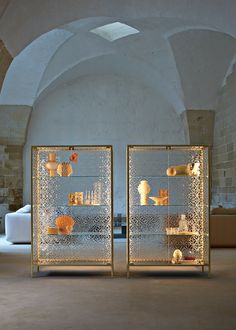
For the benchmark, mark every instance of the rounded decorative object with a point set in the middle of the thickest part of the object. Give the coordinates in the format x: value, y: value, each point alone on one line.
x: 64, y: 169
x: 51, y: 164
x: 194, y: 169
x: 74, y: 157
x: 177, y: 256
x: 144, y: 189
x: 65, y: 224
x: 171, y: 171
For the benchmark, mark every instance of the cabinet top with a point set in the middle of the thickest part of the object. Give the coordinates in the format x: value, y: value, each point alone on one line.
x: 51, y: 148
x: 167, y: 147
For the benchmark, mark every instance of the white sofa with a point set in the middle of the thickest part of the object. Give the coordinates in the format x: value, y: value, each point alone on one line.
x: 18, y: 225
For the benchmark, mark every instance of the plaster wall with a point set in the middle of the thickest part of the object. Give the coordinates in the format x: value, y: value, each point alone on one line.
x: 13, y: 123
x: 224, y: 149
x: 199, y: 126
x: 102, y: 109
x: 6, y: 59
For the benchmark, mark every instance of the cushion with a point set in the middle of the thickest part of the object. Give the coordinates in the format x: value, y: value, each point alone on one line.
x: 222, y: 210
x: 24, y: 209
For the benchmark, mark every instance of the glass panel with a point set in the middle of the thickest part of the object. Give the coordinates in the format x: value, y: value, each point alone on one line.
x: 72, y: 213
x: 168, y: 204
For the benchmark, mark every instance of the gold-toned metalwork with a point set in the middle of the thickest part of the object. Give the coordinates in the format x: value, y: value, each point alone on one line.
x: 89, y: 242
x: 152, y: 230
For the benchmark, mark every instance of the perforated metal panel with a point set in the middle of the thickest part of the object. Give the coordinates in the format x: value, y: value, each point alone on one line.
x: 90, y: 241
x: 153, y: 230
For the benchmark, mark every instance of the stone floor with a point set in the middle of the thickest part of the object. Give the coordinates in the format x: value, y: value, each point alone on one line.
x: 91, y: 299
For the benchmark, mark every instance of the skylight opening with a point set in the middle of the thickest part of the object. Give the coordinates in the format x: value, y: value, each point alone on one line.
x: 114, y: 31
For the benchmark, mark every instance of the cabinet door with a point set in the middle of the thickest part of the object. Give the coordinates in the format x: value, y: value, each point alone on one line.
x: 189, y: 201
x: 147, y: 221
x: 72, y: 206
x: 155, y: 226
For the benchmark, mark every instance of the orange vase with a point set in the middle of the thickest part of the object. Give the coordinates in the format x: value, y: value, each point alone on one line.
x: 65, y: 224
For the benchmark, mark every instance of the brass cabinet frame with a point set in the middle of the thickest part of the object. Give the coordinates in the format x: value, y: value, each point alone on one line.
x: 37, y: 264
x: 130, y: 264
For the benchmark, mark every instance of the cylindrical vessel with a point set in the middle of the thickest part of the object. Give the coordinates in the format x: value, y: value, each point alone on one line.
x: 183, y: 224
x: 51, y: 164
x: 144, y: 189
x: 164, y: 193
x: 71, y: 199
x: 79, y: 198
x: 178, y: 170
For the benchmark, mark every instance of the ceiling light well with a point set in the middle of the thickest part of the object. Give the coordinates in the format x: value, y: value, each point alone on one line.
x: 114, y: 31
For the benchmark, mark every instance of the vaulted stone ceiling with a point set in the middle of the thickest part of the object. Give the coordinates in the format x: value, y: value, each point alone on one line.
x: 184, y: 52
x: 25, y: 20
x: 184, y: 49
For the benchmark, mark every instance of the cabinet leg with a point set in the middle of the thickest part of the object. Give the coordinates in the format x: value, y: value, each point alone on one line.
x: 203, y: 269
x: 209, y: 271
x: 127, y: 271
x: 112, y: 270
x: 33, y: 272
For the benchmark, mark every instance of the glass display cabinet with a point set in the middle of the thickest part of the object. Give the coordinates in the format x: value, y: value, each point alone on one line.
x: 72, y: 206
x: 167, y: 206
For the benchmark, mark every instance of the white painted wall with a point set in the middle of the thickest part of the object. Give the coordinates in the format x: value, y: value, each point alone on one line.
x: 224, y: 147
x: 26, y: 70
x: 202, y: 59
x: 104, y: 109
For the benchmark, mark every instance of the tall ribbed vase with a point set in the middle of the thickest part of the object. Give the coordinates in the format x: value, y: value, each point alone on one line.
x: 144, y: 189
x: 51, y: 164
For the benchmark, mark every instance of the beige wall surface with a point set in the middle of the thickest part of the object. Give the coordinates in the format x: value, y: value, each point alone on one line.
x: 13, y: 124
x: 224, y: 150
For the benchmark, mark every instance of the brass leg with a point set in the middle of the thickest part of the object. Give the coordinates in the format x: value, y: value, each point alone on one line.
x: 33, y: 273
x: 32, y: 270
x: 112, y: 269
x: 127, y: 271
x: 209, y: 270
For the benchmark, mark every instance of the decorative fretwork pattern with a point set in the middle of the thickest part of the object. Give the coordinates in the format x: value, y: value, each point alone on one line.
x: 149, y: 241
x: 91, y: 238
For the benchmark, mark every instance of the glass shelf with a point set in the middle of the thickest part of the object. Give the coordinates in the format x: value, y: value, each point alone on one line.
x: 165, y: 234
x: 165, y: 176
x: 71, y: 176
x: 80, y: 234
x: 170, y: 205
x: 196, y: 262
x: 184, y: 234
x: 147, y: 233
x: 66, y: 205
x: 87, y: 205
